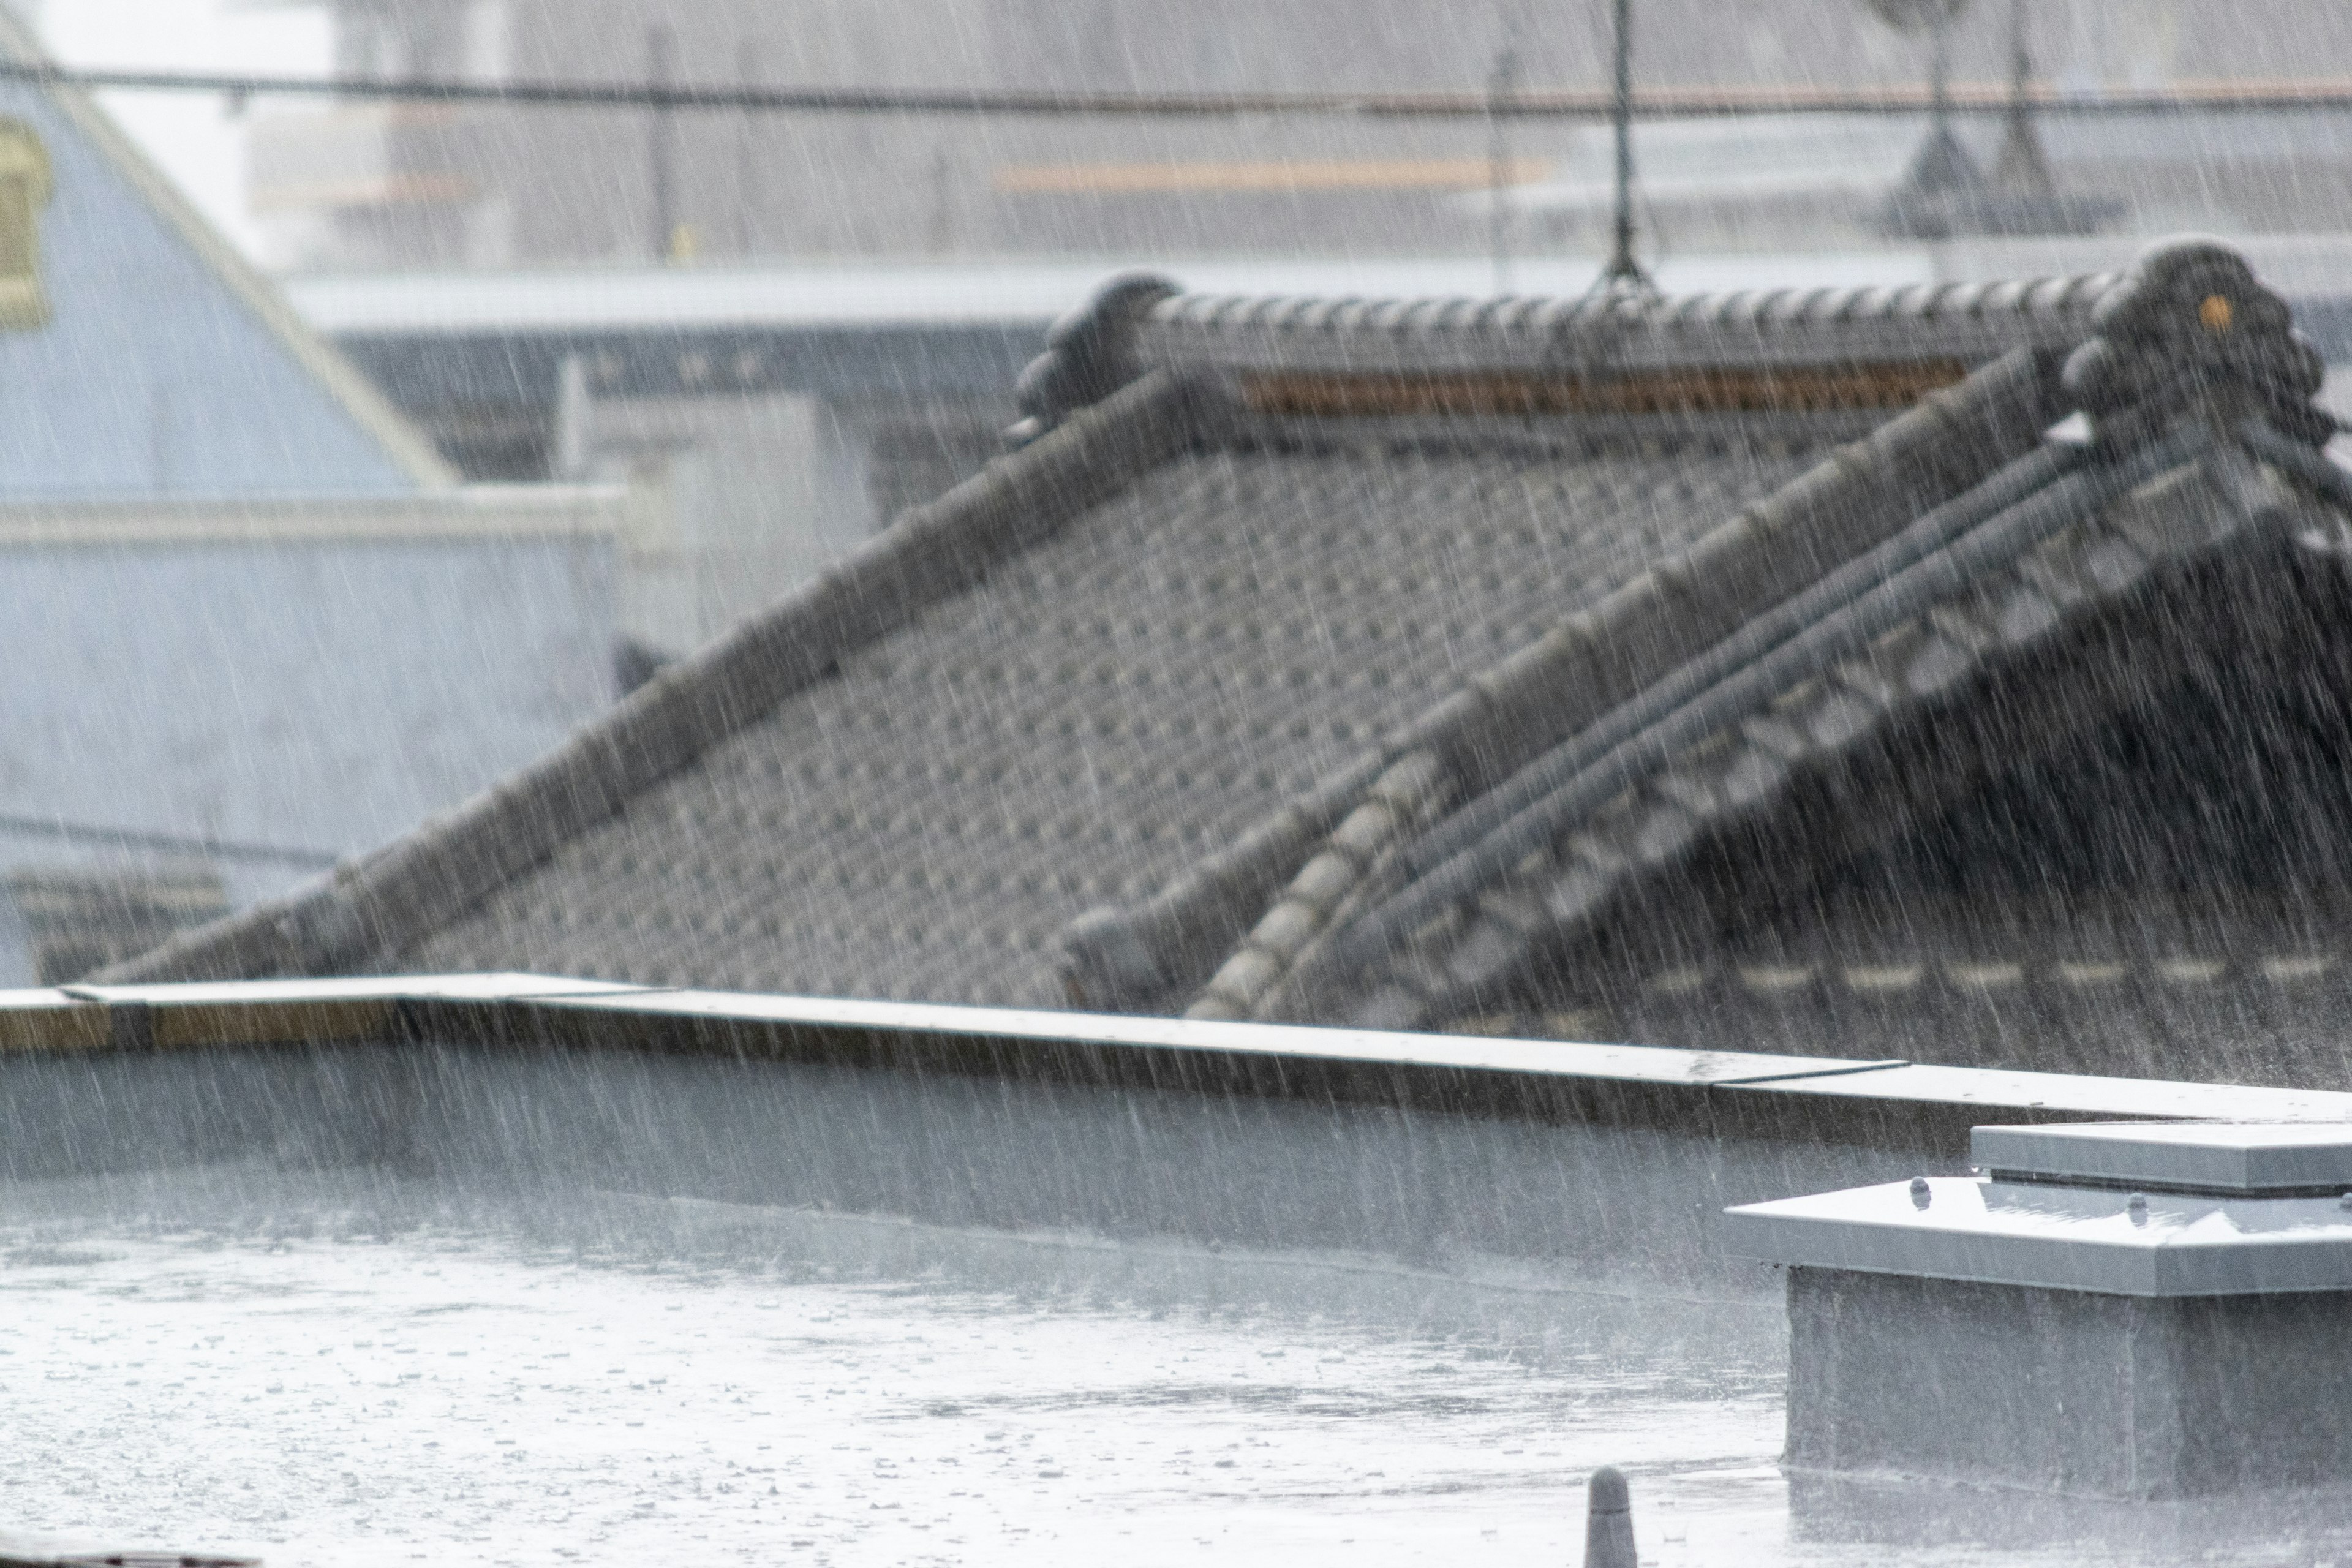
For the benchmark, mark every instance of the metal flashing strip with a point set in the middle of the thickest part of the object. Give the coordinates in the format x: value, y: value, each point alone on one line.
x: 489, y: 987
x: 1986, y: 1093
x: 294, y: 1012
x: 1810, y: 1072
x: 1733, y: 1093
x: 2257, y: 1160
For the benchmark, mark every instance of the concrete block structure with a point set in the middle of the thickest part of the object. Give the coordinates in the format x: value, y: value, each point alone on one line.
x: 2126, y: 1311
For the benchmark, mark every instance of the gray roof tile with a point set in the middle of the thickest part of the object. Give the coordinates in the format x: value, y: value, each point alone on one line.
x: 1098, y: 714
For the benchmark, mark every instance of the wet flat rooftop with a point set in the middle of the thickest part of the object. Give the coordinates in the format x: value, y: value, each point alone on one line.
x: 376, y: 1371
x: 658, y: 1277
x: 370, y: 1377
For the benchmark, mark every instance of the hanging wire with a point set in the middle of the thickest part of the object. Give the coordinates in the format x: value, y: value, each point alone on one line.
x: 1652, y: 103
x: 69, y: 832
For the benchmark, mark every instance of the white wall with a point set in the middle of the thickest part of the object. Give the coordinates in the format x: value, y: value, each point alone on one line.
x: 743, y: 500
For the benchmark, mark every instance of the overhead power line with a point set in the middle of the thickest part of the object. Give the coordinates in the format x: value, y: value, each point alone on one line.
x: 2256, y: 95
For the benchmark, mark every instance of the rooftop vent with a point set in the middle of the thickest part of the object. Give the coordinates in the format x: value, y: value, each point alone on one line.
x: 2123, y: 1310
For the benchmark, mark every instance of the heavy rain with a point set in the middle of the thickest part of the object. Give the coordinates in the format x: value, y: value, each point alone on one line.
x: 987, y: 781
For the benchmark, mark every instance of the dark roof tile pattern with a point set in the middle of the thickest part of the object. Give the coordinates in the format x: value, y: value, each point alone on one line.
x: 1588, y: 664
x: 384, y: 903
x: 2019, y: 616
x: 2194, y: 371
x: 1166, y: 618
x: 2118, y: 984
x: 1095, y: 715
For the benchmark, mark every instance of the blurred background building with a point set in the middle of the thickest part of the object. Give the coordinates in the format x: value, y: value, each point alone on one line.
x: 410, y: 186
x: 782, y: 329
x: 254, y: 623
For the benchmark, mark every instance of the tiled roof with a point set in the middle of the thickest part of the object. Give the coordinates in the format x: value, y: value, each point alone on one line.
x: 2252, y: 993
x: 1089, y: 720
x: 2038, y: 594
x: 1313, y: 577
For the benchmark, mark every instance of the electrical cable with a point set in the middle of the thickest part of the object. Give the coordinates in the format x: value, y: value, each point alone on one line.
x: 214, y: 848
x: 1656, y: 103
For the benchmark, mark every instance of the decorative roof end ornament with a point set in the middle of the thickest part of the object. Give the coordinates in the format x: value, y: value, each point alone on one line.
x: 1089, y: 354
x: 2191, y: 326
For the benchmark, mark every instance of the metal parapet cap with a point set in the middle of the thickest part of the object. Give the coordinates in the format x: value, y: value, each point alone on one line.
x: 2127, y: 1209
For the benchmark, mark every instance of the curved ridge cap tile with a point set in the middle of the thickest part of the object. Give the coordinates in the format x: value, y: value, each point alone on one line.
x: 2007, y: 298
x: 2095, y: 286
x: 1968, y: 299
x: 1746, y: 310
x: 1798, y: 305
x: 1915, y: 299
x: 1429, y: 312
x: 1554, y: 315
x: 2050, y: 296
x: 1674, y: 315
x: 1491, y: 312
x: 1523, y: 313
x: 1322, y: 315
x: 1853, y: 305
x: 1190, y: 310
x: 1229, y: 309
x: 1735, y: 308
x: 1308, y: 312
x: 1873, y: 303
x: 1389, y: 315
x: 1951, y: 301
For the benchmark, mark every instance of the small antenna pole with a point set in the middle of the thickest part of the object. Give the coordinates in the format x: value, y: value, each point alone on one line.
x: 1498, y: 166
x: 661, y: 148
x: 1623, y: 274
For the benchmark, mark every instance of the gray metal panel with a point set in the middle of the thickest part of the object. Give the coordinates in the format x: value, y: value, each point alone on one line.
x: 2209, y: 1157
x: 2062, y: 1238
x: 2062, y: 1094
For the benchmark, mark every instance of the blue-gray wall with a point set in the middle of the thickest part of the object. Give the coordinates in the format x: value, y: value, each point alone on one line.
x: 154, y: 377
x: 326, y: 695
